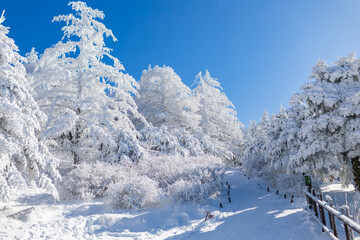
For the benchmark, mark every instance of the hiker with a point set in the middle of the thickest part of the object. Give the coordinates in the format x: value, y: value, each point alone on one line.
x: 208, y: 215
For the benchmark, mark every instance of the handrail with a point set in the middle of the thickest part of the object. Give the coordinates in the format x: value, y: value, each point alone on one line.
x: 352, y: 224
x: 327, y: 230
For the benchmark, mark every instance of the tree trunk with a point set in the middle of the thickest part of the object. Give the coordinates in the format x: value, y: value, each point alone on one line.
x: 356, y: 172
x: 75, y: 140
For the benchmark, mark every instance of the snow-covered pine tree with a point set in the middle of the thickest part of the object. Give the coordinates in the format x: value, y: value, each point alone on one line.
x: 24, y: 161
x: 329, y: 133
x: 88, y: 101
x: 281, y: 141
x: 171, y: 109
x: 249, y: 152
x: 280, y: 147
x: 253, y: 157
x: 218, y: 116
x: 166, y: 100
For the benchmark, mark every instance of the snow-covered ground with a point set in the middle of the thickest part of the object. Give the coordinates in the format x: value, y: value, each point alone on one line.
x: 252, y: 214
x: 340, y: 194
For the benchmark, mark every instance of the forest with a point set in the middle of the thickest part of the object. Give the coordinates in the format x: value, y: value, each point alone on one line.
x: 74, y: 124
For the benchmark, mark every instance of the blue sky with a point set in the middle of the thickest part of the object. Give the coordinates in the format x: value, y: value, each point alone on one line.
x: 261, y: 51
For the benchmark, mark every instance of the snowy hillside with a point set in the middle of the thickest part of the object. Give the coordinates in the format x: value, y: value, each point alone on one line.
x: 252, y: 214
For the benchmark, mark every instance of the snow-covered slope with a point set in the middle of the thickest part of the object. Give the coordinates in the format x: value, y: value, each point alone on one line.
x: 252, y: 214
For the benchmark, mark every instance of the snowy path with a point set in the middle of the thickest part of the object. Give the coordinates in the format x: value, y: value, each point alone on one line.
x: 253, y: 214
x: 257, y: 214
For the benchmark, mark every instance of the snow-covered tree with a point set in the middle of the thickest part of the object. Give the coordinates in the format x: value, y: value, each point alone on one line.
x: 330, y: 132
x: 24, y: 161
x: 218, y: 116
x: 88, y: 100
x: 175, y: 141
x: 171, y: 109
x: 253, y: 156
x: 281, y: 142
x: 280, y: 146
x: 166, y: 100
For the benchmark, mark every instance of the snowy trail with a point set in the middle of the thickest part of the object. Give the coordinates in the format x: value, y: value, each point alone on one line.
x: 257, y: 214
x: 252, y: 214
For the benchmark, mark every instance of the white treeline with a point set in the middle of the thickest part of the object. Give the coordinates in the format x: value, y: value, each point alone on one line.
x: 201, y: 121
x: 172, y: 112
x: 76, y: 124
x: 319, y: 135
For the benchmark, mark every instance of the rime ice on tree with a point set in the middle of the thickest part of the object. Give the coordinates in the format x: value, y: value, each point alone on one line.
x: 218, y: 116
x: 24, y: 160
x: 87, y: 100
x: 166, y: 100
x: 168, y: 105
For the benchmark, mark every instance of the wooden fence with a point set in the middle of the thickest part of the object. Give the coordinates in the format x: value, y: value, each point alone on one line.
x: 316, y: 206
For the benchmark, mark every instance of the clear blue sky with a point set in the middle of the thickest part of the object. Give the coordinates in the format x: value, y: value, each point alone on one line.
x: 261, y: 51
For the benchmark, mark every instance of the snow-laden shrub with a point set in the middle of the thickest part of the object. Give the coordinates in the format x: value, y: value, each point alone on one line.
x: 133, y: 191
x: 88, y: 181
x: 145, y: 183
x: 119, y: 183
x: 194, y: 189
x: 289, y: 183
x: 184, y: 178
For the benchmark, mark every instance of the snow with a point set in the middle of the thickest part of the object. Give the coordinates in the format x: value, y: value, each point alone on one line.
x: 70, y: 123
x: 337, y: 187
x: 252, y: 214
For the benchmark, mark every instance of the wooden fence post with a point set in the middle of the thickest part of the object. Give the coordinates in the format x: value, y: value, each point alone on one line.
x: 314, y: 203
x: 321, y: 210
x: 331, y: 216
x: 348, y: 231
x: 309, y: 200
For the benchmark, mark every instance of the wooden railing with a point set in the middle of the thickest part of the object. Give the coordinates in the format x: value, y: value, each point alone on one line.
x: 317, y: 207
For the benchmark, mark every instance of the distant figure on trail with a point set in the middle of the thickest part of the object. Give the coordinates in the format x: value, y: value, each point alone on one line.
x: 208, y: 215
